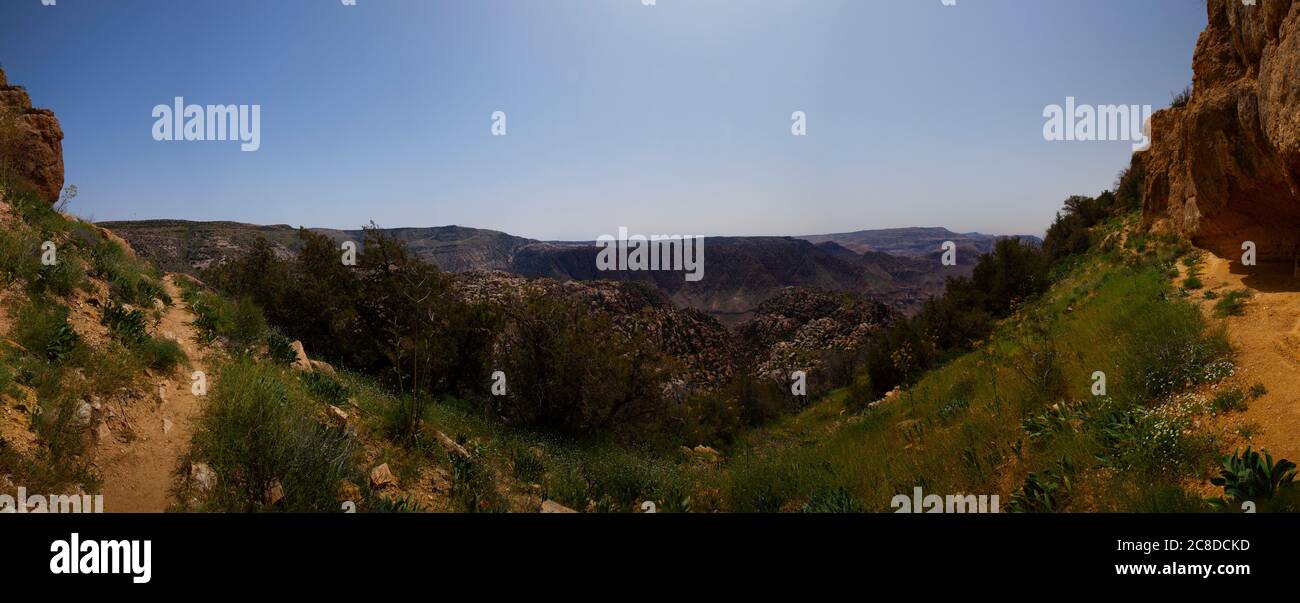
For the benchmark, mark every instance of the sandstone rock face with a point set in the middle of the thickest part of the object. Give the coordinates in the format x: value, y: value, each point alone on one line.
x: 1225, y: 168
x: 31, y: 142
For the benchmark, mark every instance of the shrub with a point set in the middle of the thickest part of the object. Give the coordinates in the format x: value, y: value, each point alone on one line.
x: 1192, y: 282
x: 325, y: 388
x: 526, y: 466
x: 280, y: 348
x: 1229, y: 400
x: 1247, y: 476
x: 1232, y: 304
x: 161, y: 354
x: 571, y: 372
x: 127, y: 324
x: 404, y: 419
x: 1180, y: 99
x: 1047, y: 491
x: 60, y: 279
x: 43, y: 330
x: 472, y: 486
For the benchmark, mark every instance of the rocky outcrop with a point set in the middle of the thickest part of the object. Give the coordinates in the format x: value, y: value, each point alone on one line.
x: 1225, y: 167
x: 31, y: 142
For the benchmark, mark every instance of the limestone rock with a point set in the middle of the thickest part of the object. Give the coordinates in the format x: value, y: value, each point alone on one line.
x: 550, y: 506
x: 382, y: 477
x: 301, y: 361
x: 31, y: 141
x: 274, y: 493
x: 202, y: 476
x: 1225, y: 168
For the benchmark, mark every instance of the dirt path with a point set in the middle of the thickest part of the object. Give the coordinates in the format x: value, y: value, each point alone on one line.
x: 147, y: 438
x: 1267, y: 338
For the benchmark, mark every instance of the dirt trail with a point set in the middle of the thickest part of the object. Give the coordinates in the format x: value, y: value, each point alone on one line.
x: 138, y: 460
x: 1267, y: 338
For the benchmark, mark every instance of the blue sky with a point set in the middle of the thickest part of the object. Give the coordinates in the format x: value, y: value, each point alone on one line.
x: 673, y: 118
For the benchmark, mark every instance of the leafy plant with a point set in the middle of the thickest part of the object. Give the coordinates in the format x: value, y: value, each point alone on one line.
x: 126, y: 323
x: 1045, y: 492
x: 1248, y: 476
x: 280, y: 348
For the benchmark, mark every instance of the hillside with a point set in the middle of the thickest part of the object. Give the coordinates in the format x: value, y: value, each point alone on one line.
x: 916, y: 242
x: 742, y: 271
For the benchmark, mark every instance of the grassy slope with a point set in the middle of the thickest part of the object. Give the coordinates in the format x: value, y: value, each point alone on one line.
x: 961, y: 429
x: 57, y: 352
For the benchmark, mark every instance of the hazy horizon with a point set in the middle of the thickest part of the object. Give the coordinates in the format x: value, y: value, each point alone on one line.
x: 673, y: 118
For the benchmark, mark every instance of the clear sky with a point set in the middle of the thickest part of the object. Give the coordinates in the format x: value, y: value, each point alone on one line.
x: 673, y: 118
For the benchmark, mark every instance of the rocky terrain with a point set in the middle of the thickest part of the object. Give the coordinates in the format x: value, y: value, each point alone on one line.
x: 915, y: 242
x: 742, y: 272
x: 1224, y: 167
x: 33, y: 142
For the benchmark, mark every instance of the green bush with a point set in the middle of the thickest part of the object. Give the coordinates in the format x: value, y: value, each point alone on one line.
x: 61, y: 279
x: 526, y: 466
x: 1229, y: 400
x: 472, y: 487
x: 1232, y: 304
x: 127, y: 324
x: 161, y: 354
x: 43, y: 330
x: 325, y: 388
x: 280, y: 348
x: 1048, y: 491
x: 1248, y: 476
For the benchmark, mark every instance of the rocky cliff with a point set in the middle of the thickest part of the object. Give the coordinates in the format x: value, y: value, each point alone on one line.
x: 31, y: 142
x: 1224, y: 167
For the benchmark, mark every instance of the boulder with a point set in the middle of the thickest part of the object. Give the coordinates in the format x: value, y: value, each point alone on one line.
x: 382, y: 477
x: 301, y: 361
x: 550, y: 506
x: 1225, y: 168
x: 451, y: 445
x: 202, y: 476
x: 31, y: 142
x: 339, y: 416
x: 274, y: 493
x: 320, y: 366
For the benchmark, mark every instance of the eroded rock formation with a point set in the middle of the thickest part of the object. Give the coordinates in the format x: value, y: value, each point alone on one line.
x: 31, y: 142
x: 1225, y: 168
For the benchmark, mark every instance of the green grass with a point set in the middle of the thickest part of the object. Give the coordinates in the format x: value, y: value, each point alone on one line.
x: 1229, y: 400
x: 259, y: 427
x: 1232, y: 303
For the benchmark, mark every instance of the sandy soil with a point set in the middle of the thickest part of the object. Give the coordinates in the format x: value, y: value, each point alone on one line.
x: 1267, y: 339
x: 138, y: 470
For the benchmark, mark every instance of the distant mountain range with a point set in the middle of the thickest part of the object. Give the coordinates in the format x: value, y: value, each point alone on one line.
x: 899, y: 267
x: 916, y: 242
